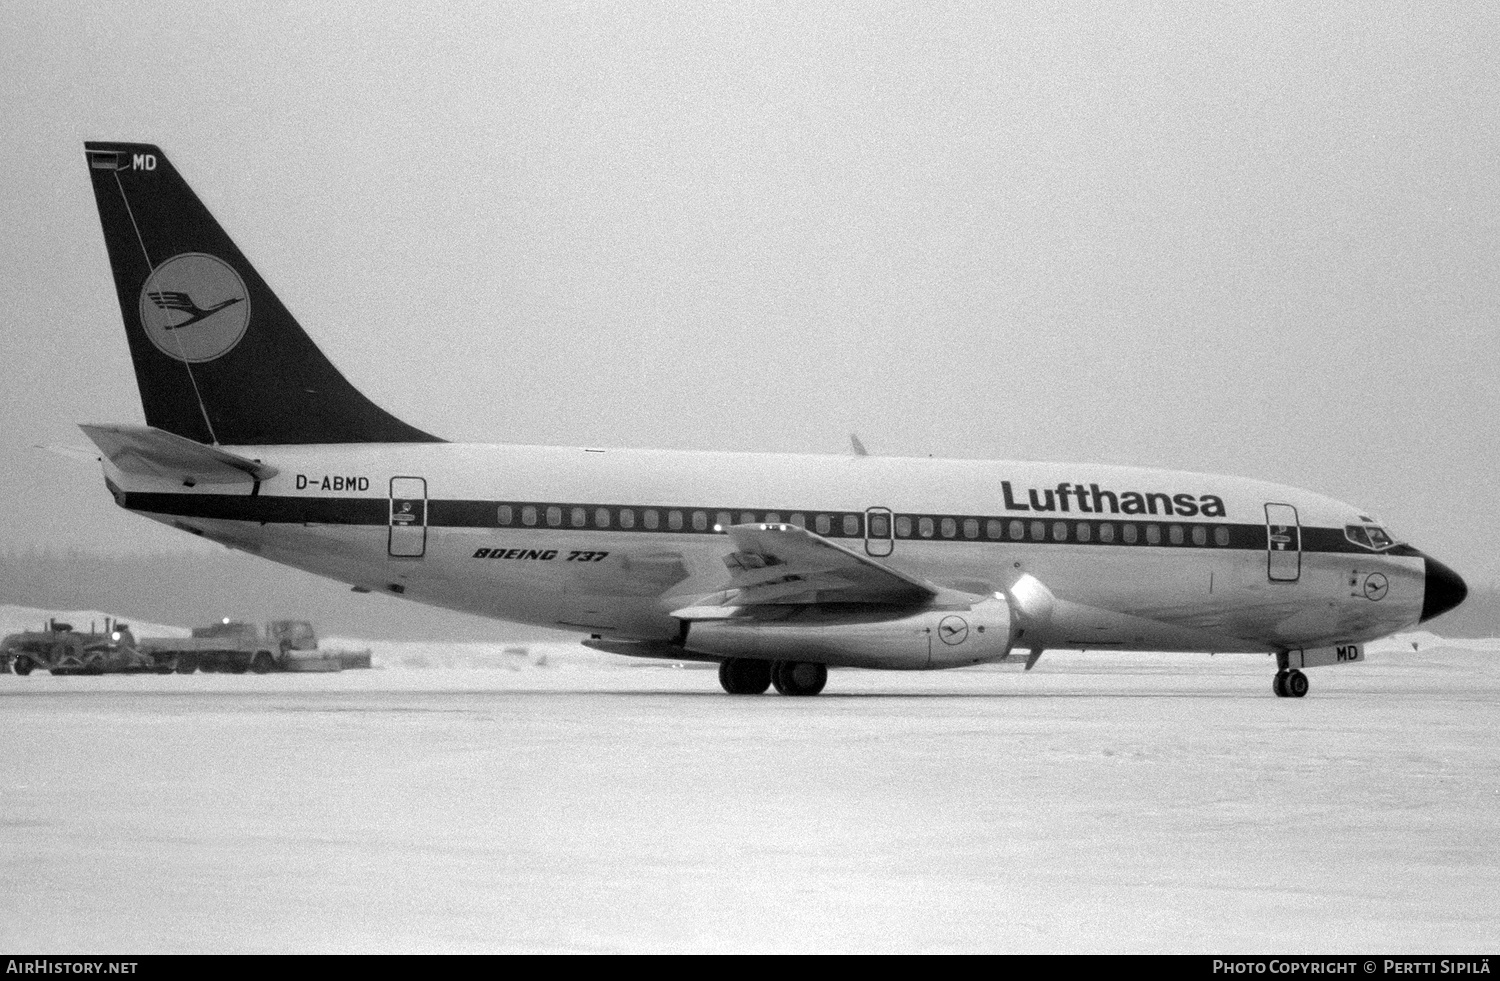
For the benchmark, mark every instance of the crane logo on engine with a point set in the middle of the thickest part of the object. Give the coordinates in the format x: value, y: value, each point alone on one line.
x: 953, y: 630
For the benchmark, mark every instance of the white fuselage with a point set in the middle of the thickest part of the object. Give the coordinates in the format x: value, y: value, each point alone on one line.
x: 610, y: 542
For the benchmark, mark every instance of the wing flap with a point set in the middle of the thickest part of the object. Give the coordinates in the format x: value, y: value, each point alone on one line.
x: 156, y: 454
x: 782, y: 565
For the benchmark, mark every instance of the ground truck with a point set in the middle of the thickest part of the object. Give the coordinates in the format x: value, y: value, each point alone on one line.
x: 236, y: 646
x: 59, y: 649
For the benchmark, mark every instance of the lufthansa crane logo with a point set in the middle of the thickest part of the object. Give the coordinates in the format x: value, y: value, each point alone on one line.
x: 953, y: 630
x: 1376, y: 586
x: 195, y: 307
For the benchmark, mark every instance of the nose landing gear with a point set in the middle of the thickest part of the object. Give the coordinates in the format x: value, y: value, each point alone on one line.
x: 1289, y: 683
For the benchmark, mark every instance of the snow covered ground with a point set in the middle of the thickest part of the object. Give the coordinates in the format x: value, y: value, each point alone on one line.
x: 548, y: 798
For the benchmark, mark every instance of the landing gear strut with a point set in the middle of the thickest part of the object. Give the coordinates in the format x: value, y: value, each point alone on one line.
x: 1289, y: 683
x: 744, y: 675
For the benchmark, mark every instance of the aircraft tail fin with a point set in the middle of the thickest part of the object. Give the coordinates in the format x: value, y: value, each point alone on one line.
x: 217, y: 356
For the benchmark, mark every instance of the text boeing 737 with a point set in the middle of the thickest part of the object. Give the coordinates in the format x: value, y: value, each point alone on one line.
x: 776, y: 566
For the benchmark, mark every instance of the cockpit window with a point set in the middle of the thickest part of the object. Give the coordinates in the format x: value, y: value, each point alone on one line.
x: 1372, y: 537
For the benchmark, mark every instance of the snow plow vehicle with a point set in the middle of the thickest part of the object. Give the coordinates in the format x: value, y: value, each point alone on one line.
x: 235, y: 646
x: 61, y: 650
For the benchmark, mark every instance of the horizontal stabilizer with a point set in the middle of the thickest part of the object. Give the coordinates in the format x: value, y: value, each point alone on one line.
x: 79, y: 453
x: 154, y: 453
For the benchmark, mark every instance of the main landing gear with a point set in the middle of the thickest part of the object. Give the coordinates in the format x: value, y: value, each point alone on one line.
x: 748, y: 676
x: 1289, y: 683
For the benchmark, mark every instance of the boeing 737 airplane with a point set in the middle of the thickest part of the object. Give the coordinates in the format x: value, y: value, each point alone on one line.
x: 775, y: 566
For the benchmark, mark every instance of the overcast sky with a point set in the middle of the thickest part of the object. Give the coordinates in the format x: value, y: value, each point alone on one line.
x: 1257, y: 239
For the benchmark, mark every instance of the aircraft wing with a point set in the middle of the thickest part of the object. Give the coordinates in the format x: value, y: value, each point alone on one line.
x: 782, y: 565
x: 155, y: 453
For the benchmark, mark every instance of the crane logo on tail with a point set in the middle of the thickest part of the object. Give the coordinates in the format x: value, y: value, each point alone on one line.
x: 195, y: 307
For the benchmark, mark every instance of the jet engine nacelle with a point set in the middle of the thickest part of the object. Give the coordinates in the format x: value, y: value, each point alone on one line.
x: 927, y: 638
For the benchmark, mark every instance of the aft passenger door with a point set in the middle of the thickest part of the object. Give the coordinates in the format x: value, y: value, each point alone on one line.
x: 1283, y: 543
x: 408, y: 517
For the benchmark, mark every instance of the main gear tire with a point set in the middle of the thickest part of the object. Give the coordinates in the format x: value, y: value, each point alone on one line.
x: 744, y: 676
x: 799, y: 677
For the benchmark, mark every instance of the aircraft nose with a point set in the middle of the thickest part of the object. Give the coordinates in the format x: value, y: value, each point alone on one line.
x: 1444, y: 589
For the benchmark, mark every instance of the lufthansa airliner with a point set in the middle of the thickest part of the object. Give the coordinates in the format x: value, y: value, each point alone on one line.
x: 775, y: 566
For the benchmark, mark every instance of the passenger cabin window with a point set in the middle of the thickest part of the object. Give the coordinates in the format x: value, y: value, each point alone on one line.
x: 1174, y: 532
x: 580, y: 517
x: 823, y: 523
x: 1129, y: 534
x: 994, y: 528
x: 1153, y: 534
x: 627, y: 518
x: 1084, y: 531
x: 1221, y: 536
x: 851, y: 524
x: 651, y: 519
x: 880, y: 526
x: 554, y: 516
x: 724, y: 519
x: 949, y: 526
x: 924, y: 527
x: 674, y: 520
x: 700, y: 520
x: 1059, y: 531
x: 601, y: 517
x: 971, y: 527
x: 1017, y: 531
x: 1038, y: 531
x: 528, y: 516
x: 1200, y: 535
x: 771, y: 519
x: 799, y: 519
x: 903, y: 526
x: 747, y: 517
x: 503, y: 515
x: 1106, y: 532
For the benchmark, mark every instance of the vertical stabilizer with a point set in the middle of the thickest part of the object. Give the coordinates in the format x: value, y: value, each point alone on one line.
x: 217, y: 356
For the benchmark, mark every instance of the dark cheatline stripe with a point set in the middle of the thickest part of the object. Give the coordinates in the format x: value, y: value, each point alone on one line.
x: 367, y: 511
x: 267, y: 510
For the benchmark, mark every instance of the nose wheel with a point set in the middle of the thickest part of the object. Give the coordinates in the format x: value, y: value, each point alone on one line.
x: 1289, y: 684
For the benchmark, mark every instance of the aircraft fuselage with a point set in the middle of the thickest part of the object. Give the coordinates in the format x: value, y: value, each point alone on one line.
x: 611, y: 541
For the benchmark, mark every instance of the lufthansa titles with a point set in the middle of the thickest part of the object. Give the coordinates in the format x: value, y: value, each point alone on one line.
x: 1092, y: 499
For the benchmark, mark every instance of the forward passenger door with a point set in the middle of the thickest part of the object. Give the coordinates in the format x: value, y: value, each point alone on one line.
x: 1283, y: 543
